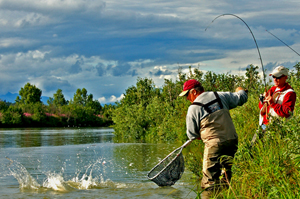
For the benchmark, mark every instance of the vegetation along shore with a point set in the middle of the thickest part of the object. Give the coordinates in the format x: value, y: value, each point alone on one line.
x: 28, y: 110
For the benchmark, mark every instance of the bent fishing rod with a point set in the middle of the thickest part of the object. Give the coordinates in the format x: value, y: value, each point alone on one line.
x: 262, y: 66
x: 283, y: 42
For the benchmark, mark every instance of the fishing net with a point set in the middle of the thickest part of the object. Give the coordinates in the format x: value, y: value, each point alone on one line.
x: 169, y: 170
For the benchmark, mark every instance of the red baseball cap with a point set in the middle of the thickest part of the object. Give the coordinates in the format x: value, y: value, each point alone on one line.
x: 188, y: 85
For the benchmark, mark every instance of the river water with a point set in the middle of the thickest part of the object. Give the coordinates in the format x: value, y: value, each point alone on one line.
x: 81, y: 163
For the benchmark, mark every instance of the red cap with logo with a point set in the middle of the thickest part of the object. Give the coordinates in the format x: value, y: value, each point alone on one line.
x: 188, y: 85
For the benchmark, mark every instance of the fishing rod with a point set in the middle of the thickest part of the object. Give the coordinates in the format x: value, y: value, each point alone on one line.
x: 262, y: 66
x: 283, y: 43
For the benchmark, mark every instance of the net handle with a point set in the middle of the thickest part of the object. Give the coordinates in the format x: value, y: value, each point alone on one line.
x: 186, y: 143
x: 183, y: 146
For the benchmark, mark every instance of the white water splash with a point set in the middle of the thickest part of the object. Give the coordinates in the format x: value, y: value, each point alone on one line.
x: 26, y: 181
x: 87, y: 181
x: 55, y: 181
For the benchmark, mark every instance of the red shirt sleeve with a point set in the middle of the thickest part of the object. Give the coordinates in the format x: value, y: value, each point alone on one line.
x: 260, y: 105
x: 287, y: 105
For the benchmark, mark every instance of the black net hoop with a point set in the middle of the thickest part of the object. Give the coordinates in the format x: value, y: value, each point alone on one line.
x: 168, y: 171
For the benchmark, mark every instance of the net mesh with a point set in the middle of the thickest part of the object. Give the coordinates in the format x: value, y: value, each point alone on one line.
x: 169, y: 170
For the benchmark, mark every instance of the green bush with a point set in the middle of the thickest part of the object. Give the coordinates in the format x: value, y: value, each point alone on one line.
x: 13, y: 116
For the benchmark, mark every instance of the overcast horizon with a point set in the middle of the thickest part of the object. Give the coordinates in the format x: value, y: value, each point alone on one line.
x: 104, y: 46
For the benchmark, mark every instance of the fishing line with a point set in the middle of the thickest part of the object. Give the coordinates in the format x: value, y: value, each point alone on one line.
x: 262, y: 66
x: 283, y: 43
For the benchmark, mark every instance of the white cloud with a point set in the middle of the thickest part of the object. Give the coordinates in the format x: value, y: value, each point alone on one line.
x: 15, y: 42
x: 19, y: 14
x: 111, y: 99
x: 49, y: 86
x: 54, y: 6
x: 11, y: 19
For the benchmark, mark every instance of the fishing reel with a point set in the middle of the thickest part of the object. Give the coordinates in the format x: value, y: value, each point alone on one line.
x: 262, y: 98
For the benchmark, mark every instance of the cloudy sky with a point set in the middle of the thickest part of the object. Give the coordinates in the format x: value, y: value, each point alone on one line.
x: 104, y: 46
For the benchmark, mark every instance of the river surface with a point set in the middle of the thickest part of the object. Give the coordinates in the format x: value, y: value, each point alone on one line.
x: 81, y: 163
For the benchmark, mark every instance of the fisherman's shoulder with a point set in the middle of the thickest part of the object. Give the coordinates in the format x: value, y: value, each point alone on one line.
x: 205, y: 97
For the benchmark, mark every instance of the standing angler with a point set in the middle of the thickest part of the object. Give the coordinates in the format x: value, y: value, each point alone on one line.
x: 208, y: 119
x: 280, y: 100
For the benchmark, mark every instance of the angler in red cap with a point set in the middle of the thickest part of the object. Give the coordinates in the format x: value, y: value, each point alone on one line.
x: 208, y: 119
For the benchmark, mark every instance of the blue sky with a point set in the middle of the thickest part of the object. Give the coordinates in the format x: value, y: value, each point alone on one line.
x: 104, y: 46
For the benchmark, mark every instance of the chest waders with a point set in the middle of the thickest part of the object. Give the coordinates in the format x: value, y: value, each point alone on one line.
x: 213, y: 160
x: 211, y: 106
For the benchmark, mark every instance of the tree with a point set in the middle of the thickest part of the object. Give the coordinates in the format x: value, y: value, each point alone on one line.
x: 130, y: 112
x: 50, y: 101
x: 107, y: 111
x: 297, y: 67
x: 210, y: 81
x: 140, y: 94
x: 29, y: 94
x: 252, y: 77
x: 39, y: 114
x: 82, y: 98
x: 3, y: 106
x: 59, y: 98
x: 13, y: 116
x: 95, y: 106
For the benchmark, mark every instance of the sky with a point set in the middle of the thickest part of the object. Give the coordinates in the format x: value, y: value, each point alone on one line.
x: 105, y: 46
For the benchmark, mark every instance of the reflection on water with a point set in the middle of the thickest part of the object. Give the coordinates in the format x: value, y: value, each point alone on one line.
x: 53, y: 137
x: 77, y: 163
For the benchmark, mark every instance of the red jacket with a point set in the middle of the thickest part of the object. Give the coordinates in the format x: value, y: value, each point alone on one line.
x: 287, y: 105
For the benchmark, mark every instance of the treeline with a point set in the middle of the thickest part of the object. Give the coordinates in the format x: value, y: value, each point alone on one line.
x: 28, y: 110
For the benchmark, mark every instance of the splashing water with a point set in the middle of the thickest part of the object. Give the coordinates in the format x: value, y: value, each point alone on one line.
x: 86, y: 181
x: 21, y: 174
x: 56, y: 182
x: 73, y: 163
